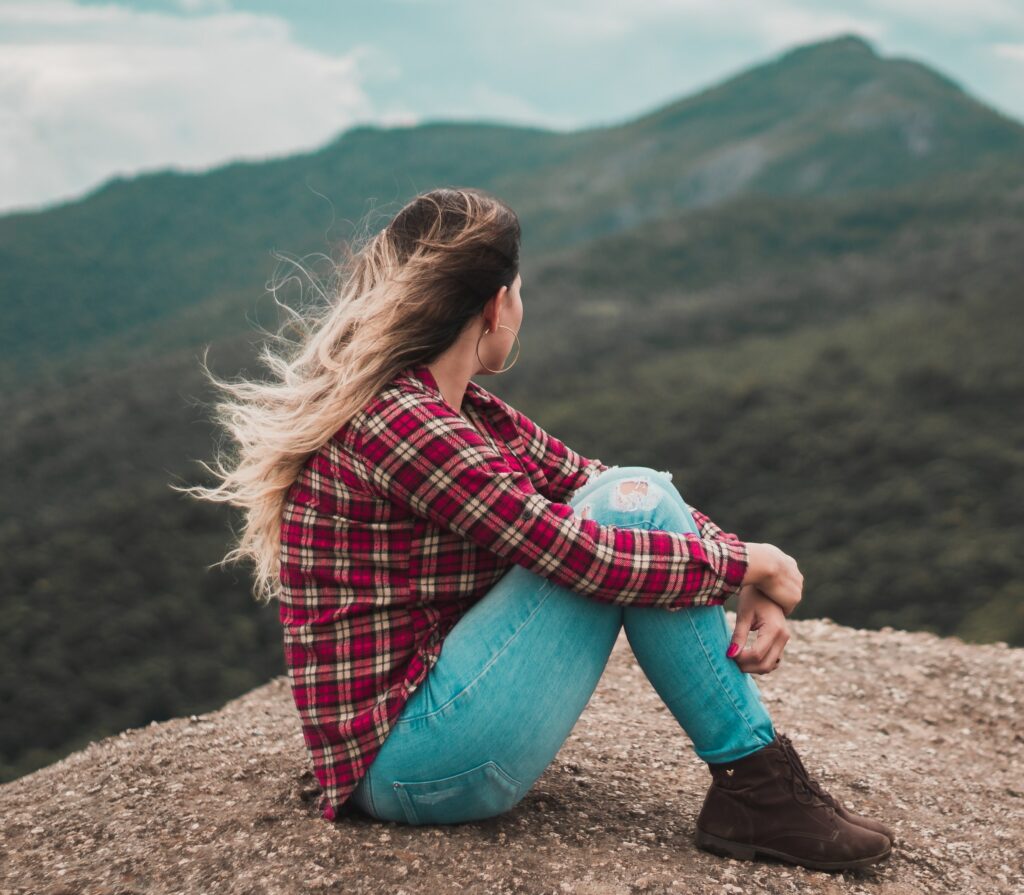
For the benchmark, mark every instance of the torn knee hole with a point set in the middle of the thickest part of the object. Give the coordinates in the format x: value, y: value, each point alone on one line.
x: 633, y: 494
x: 631, y: 486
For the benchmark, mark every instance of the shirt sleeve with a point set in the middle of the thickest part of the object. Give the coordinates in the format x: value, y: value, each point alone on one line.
x: 566, y: 470
x: 709, y: 529
x: 422, y: 455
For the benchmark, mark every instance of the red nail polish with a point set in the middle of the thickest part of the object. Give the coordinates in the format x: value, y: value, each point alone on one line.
x: 733, y: 649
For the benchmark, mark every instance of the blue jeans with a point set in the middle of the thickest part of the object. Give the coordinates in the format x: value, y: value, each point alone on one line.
x: 517, y: 670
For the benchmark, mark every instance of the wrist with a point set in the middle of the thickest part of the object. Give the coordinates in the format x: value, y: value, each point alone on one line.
x: 762, y: 563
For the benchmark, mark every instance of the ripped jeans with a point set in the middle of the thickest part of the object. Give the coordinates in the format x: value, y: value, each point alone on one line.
x: 517, y: 670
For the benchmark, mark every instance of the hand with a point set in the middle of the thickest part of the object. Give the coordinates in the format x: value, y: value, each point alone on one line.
x: 757, y: 612
x: 775, y: 574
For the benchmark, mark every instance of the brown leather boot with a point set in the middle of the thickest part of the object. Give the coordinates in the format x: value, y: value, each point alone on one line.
x: 762, y: 804
x: 827, y: 797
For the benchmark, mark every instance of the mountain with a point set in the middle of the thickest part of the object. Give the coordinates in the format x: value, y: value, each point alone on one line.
x: 918, y: 731
x: 828, y: 363
x: 828, y: 119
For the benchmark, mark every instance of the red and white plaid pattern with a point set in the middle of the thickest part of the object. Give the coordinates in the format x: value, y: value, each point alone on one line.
x: 406, y: 517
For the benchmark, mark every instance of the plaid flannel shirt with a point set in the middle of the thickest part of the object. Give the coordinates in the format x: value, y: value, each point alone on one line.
x: 406, y: 517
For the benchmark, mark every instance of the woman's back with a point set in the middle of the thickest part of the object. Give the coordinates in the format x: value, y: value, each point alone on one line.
x: 370, y: 588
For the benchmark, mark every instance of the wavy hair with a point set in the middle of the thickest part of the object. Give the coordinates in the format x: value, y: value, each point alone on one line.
x: 402, y: 297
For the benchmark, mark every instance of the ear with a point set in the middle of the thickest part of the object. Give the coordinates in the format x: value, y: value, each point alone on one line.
x: 490, y: 311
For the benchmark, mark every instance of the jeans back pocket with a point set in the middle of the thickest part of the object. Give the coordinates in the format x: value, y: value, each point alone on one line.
x: 481, y: 792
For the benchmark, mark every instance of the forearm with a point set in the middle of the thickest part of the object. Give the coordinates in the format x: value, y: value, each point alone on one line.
x: 762, y: 563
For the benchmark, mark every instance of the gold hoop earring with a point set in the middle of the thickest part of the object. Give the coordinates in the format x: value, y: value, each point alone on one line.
x: 511, y: 365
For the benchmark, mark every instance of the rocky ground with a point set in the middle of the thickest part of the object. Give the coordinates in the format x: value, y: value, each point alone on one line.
x: 922, y: 732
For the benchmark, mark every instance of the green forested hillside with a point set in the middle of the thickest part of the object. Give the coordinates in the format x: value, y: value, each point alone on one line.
x: 826, y: 359
x: 825, y: 120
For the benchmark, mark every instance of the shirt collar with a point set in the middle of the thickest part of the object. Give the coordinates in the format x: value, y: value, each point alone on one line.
x: 475, y: 394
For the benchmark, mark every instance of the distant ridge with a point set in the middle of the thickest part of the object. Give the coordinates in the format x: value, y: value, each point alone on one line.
x: 828, y: 119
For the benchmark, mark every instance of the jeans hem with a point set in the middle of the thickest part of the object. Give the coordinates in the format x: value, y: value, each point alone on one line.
x: 725, y: 757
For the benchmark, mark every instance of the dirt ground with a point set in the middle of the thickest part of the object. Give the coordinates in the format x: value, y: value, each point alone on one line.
x: 924, y: 733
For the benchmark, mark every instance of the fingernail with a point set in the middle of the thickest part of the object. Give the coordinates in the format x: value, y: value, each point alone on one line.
x: 733, y: 649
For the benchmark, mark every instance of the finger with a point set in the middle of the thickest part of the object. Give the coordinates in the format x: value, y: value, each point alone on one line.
x: 739, y: 634
x: 750, y: 659
x: 774, y: 657
x: 756, y: 659
x: 765, y: 639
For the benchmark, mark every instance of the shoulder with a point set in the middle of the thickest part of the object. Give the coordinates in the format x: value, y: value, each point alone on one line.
x: 409, y: 419
x: 392, y: 399
x: 405, y: 394
x: 482, y: 397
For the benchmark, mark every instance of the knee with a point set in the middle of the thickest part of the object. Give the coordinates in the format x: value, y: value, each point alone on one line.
x: 634, y: 487
x: 646, y: 495
x: 646, y: 473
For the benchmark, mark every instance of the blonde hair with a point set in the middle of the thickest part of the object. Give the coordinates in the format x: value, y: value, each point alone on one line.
x: 402, y: 298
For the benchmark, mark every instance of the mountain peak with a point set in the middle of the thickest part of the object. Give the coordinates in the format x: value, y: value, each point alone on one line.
x: 842, y: 46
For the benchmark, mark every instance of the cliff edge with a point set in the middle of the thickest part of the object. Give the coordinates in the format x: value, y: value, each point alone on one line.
x: 921, y: 731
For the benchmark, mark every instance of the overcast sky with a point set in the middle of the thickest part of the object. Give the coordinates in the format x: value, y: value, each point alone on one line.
x: 92, y: 89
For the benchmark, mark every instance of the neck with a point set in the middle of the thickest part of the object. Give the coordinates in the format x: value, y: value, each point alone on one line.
x: 452, y: 382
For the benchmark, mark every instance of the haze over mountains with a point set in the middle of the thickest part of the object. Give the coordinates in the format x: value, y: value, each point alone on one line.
x: 799, y: 290
x: 826, y: 120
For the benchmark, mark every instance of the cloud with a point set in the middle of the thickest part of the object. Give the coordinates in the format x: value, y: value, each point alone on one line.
x: 204, y: 5
x: 90, y: 91
x: 483, y: 101
x: 1013, y: 52
x: 779, y: 23
x: 954, y: 15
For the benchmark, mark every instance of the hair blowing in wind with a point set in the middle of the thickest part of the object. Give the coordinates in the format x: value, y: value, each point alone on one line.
x: 402, y: 297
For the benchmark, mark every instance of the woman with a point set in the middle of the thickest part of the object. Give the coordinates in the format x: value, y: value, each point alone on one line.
x: 452, y: 578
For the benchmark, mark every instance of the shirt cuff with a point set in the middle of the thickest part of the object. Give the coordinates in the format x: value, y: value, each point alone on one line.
x: 730, y: 560
x: 589, y: 470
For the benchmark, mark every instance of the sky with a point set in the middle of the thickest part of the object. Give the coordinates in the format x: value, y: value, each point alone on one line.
x: 90, y: 90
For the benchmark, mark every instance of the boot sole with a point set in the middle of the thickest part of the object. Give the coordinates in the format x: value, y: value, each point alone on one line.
x: 744, y: 851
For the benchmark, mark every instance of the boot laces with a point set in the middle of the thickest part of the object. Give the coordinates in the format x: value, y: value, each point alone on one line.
x: 804, y: 784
